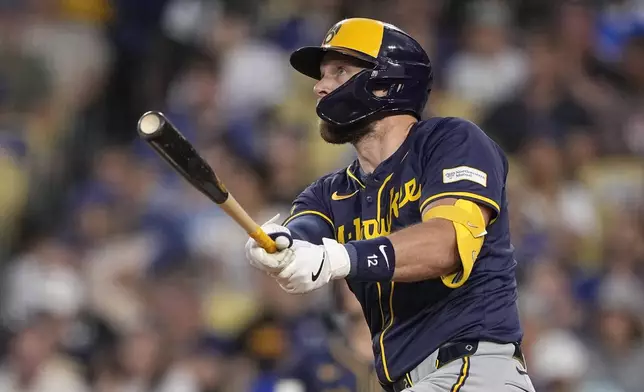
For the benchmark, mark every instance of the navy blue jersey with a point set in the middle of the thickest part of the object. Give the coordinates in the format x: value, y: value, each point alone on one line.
x: 440, y: 158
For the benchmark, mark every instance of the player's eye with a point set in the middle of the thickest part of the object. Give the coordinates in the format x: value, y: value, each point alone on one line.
x: 341, y: 71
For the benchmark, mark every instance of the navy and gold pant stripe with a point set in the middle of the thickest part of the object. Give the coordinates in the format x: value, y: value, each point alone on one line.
x: 411, y: 383
x: 465, y: 372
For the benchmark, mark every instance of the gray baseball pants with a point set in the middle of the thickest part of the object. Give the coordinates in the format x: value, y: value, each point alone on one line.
x: 492, y: 368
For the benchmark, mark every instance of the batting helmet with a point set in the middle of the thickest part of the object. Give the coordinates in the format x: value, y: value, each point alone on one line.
x: 400, y: 67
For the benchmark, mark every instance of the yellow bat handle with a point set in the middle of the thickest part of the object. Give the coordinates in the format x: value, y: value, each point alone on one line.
x: 264, y: 240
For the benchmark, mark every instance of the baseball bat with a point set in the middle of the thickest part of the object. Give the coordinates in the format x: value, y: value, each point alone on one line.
x: 155, y: 128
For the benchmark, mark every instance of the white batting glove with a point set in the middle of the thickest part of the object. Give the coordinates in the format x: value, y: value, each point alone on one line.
x: 271, y: 262
x: 314, y: 266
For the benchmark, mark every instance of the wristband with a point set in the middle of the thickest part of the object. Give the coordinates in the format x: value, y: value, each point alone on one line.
x: 371, y: 260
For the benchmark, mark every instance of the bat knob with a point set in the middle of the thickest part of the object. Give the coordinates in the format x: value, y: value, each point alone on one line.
x: 150, y: 123
x: 273, y: 242
x: 282, y: 240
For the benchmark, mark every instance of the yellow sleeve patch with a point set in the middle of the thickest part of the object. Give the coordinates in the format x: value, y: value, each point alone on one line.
x: 469, y: 225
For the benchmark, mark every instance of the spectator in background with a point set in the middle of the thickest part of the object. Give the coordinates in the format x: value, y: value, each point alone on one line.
x: 119, y: 211
x: 49, y: 281
x: 52, y: 36
x: 13, y: 171
x: 617, y: 357
x: 345, y: 361
x: 574, y: 24
x: 130, y: 33
x: 193, y: 100
x: 24, y: 78
x: 115, y: 264
x: 633, y: 69
x: 291, y: 25
x: 25, y: 90
x: 283, y: 146
x: 253, y: 72
x: 419, y: 19
x: 490, y: 68
x: 575, y: 216
x: 285, y: 330
x: 132, y: 364
x: 547, y: 299
x: 72, y: 83
x: 530, y: 243
x: 33, y: 364
x: 590, y: 82
x: 141, y: 363
x: 184, y: 27
x: 623, y: 248
x: 559, y: 362
x: 617, y: 21
x: 543, y: 106
x: 45, y: 279
x: 187, y: 354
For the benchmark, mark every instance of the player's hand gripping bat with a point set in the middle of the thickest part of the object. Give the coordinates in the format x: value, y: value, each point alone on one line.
x: 173, y: 147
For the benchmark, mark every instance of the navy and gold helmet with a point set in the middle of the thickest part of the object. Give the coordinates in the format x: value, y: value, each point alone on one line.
x: 399, y: 66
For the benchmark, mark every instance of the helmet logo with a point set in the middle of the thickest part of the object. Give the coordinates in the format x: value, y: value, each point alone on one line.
x: 332, y: 33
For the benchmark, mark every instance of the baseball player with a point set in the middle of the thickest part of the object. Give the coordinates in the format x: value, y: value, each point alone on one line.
x: 417, y: 225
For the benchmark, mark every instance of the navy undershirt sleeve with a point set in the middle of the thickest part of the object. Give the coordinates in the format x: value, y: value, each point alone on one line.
x: 310, y: 228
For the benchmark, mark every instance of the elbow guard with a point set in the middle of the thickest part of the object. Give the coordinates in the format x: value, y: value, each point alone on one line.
x: 469, y: 225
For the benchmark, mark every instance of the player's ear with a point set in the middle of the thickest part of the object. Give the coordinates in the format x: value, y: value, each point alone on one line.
x: 379, y: 93
x: 380, y: 90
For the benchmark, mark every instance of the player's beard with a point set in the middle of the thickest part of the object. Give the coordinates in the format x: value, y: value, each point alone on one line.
x: 335, y: 134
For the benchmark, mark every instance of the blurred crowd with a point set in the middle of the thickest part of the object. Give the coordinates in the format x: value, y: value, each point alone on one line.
x: 117, y: 276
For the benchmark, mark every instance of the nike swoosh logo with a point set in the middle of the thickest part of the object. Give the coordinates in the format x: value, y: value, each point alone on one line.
x: 335, y: 196
x: 382, y: 250
x: 470, y: 224
x: 315, y: 276
x: 522, y: 372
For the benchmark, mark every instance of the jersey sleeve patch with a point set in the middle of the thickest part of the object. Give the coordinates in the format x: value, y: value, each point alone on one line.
x: 464, y: 173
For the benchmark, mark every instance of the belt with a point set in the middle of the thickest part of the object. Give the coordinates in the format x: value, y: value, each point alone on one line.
x: 446, y: 354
